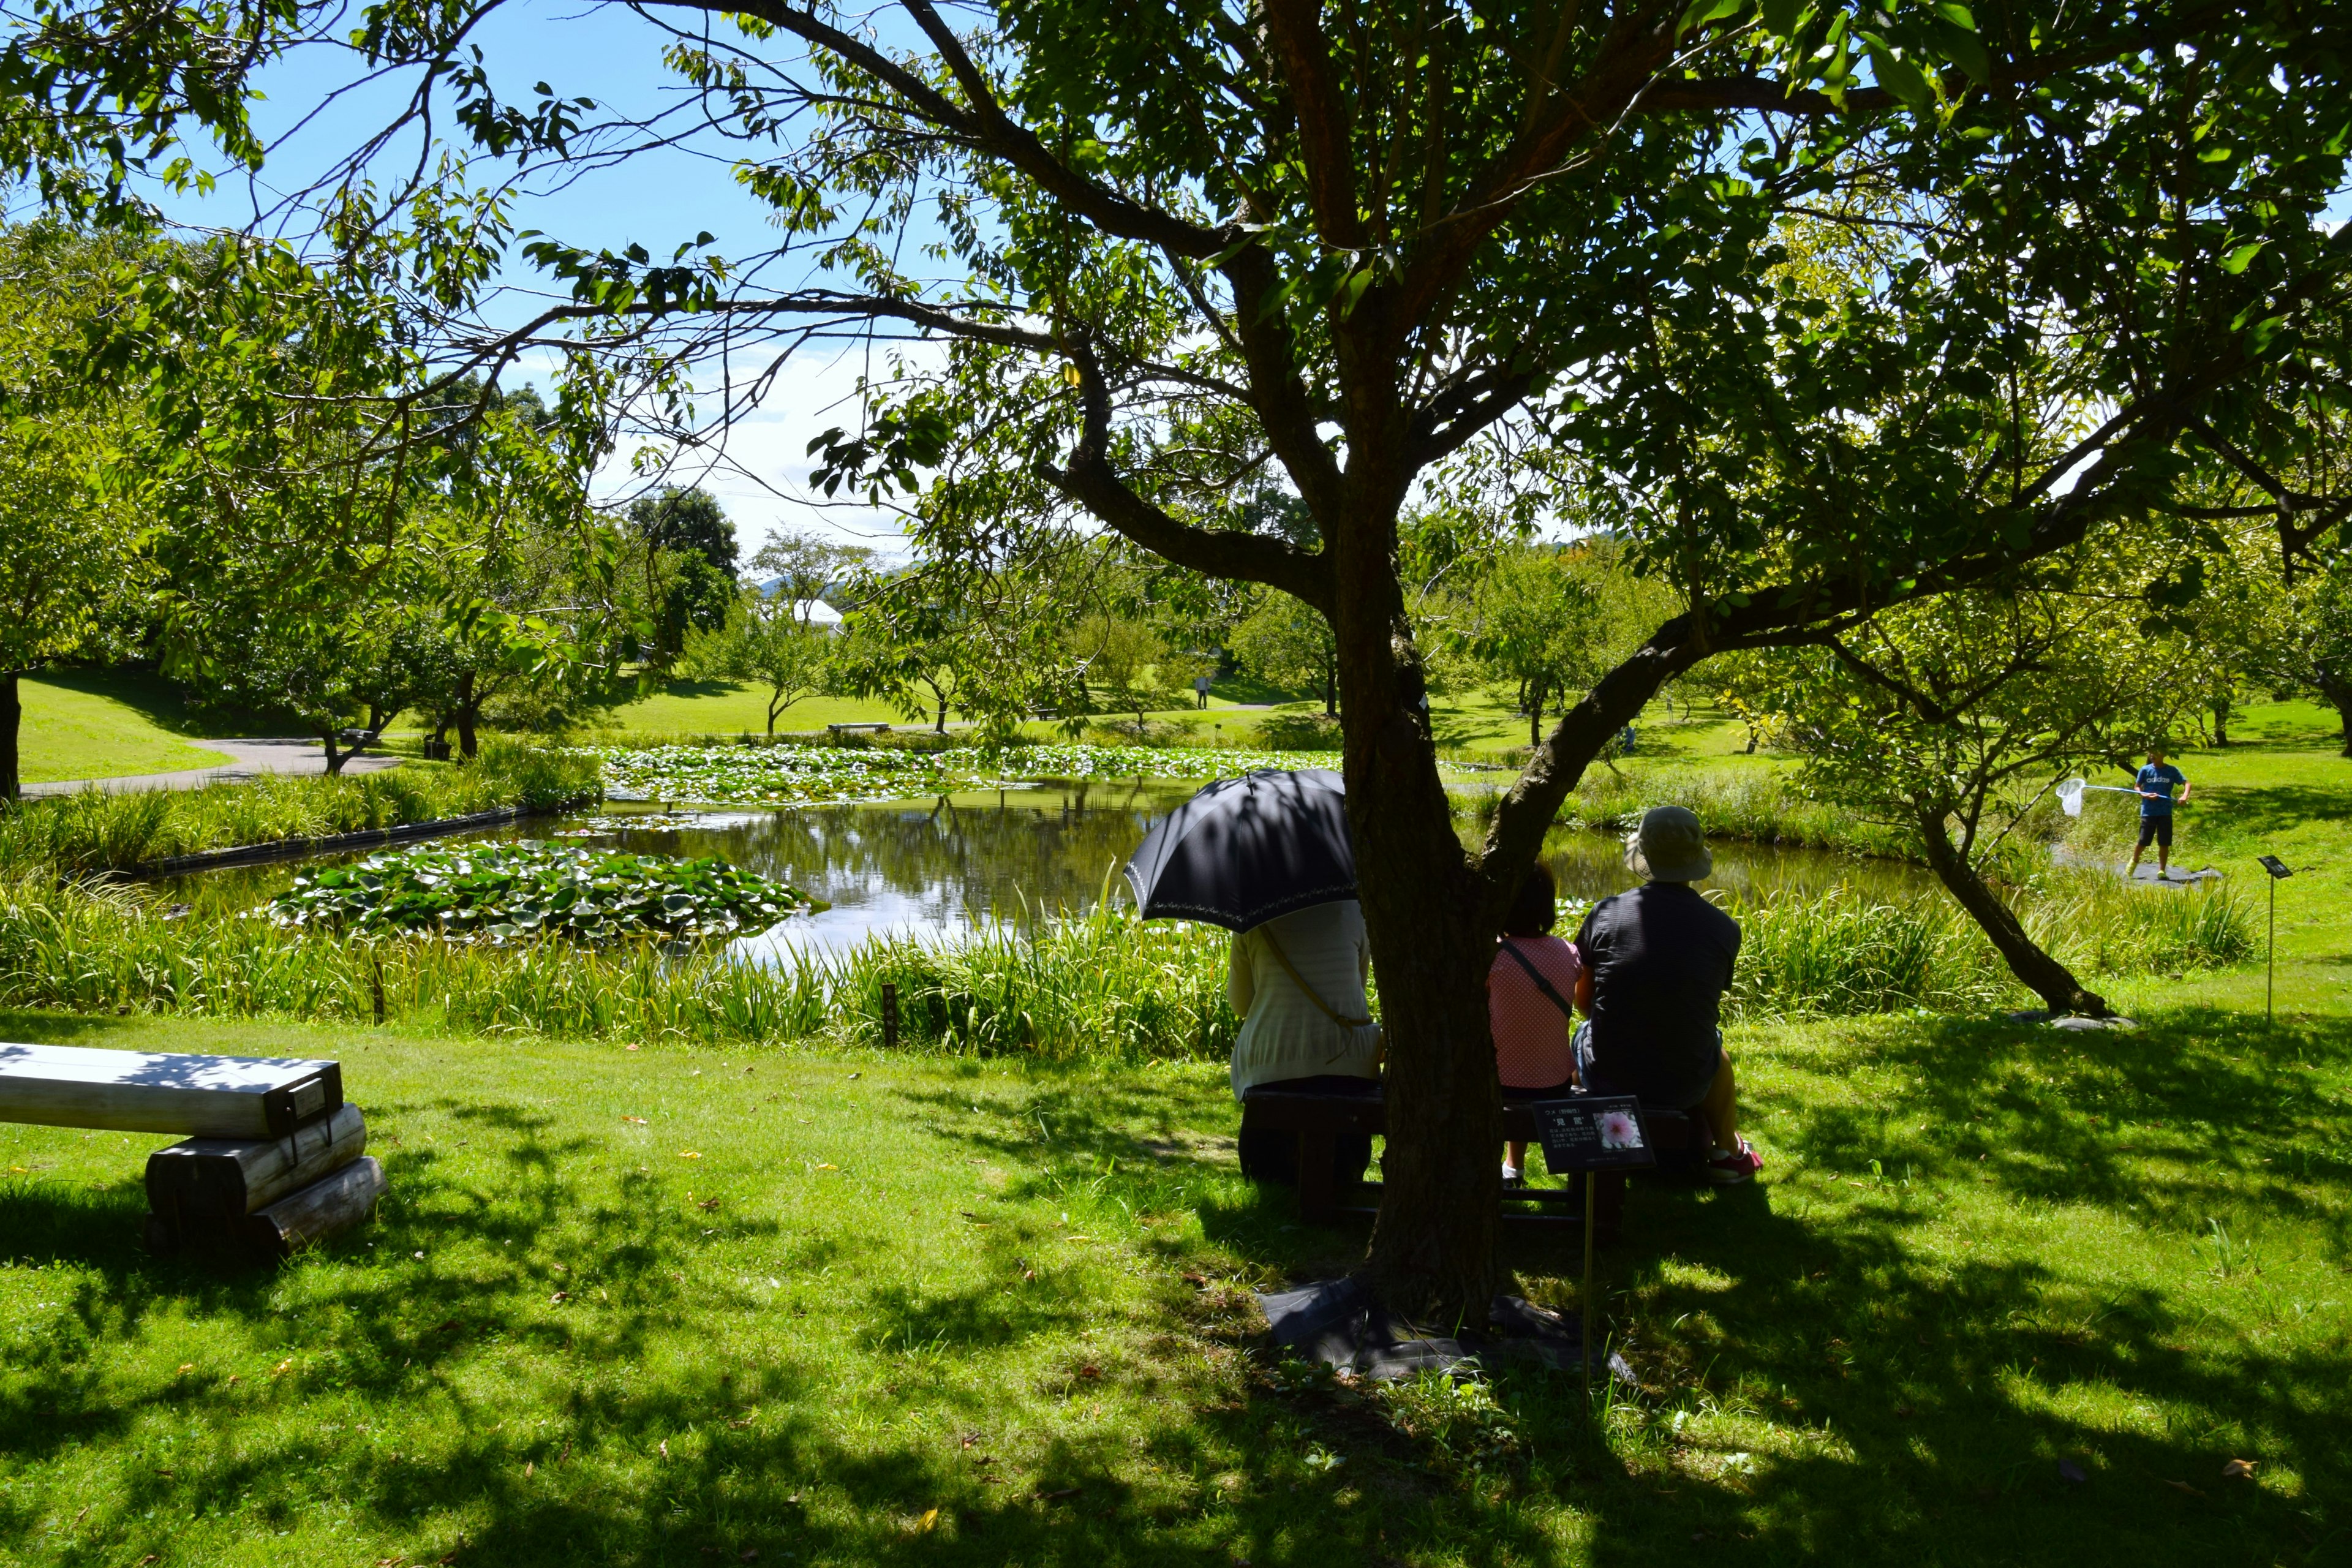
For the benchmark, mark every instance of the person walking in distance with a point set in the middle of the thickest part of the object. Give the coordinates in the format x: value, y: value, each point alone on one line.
x: 2155, y: 782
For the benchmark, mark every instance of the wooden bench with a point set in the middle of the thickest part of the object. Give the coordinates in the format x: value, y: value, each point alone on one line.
x: 275, y: 1159
x: 859, y: 729
x: 1320, y: 1119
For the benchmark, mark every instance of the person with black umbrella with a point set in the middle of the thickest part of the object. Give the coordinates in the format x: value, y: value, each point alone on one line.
x: 1297, y: 982
x: 1267, y: 855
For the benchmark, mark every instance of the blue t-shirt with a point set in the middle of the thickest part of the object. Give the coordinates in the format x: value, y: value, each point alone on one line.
x: 2162, y: 778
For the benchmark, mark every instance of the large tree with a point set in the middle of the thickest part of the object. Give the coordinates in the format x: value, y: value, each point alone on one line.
x: 68, y: 555
x: 1195, y: 245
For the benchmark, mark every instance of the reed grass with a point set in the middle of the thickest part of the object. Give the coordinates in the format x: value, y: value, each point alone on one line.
x: 1101, y: 986
x: 96, y: 831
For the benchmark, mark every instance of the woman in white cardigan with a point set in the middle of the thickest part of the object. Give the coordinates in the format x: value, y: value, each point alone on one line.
x: 1297, y: 982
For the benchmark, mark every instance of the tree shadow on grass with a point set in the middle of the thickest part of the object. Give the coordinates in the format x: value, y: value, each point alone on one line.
x: 2255, y: 812
x: 1918, y: 1381
x: 1867, y: 1385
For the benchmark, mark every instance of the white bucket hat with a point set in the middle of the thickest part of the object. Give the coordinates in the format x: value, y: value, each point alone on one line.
x: 1669, y: 845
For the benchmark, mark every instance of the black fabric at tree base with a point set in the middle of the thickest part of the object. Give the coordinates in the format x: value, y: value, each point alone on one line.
x: 1244, y: 850
x: 1341, y: 1323
x: 1271, y: 1154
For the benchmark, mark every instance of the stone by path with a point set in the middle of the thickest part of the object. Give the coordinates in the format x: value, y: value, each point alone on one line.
x: 248, y: 760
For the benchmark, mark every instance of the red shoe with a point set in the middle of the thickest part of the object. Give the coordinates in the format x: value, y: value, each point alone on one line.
x: 1740, y: 1165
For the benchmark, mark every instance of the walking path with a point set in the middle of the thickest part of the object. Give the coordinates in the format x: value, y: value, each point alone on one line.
x: 247, y: 759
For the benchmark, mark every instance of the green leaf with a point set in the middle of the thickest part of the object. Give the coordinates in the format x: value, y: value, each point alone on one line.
x: 1900, y: 76
x: 2238, y: 259
x: 1702, y: 12
x: 1961, y: 45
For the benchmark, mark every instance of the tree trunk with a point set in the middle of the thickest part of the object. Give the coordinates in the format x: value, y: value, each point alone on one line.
x: 2043, y: 974
x: 12, y: 721
x: 1751, y: 741
x: 1330, y: 692
x: 2222, y: 722
x: 469, y: 710
x: 2337, y: 689
x: 941, y: 726
x: 1535, y: 722
x: 773, y: 712
x: 1433, y: 1245
x: 335, y: 760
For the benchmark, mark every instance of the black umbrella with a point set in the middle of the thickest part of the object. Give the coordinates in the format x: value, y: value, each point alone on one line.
x: 1244, y: 850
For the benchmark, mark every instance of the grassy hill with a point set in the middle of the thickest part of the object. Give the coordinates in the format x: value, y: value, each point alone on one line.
x: 105, y: 724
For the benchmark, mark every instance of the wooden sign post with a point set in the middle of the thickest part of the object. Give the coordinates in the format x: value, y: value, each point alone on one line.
x: 890, y: 1016
x: 1588, y: 1135
x: 2279, y: 872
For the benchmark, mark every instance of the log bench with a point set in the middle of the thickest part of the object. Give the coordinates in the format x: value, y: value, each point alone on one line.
x: 1320, y: 1119
x: 276, y: 1159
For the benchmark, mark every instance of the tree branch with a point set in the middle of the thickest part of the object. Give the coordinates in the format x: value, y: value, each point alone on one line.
x: 1090, y: 481
x: 984, y: 122
x: 1325, y: 132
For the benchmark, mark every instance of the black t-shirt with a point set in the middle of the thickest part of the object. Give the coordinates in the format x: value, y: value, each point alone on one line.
x: 1661, y: 959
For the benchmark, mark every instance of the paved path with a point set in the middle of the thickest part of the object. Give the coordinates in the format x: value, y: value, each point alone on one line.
x: 246, y: 760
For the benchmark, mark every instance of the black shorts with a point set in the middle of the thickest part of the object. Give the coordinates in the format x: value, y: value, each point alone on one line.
x: 2158, y: 829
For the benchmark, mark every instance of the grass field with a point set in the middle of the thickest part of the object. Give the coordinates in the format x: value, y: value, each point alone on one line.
x: 850, y: 1310
x: 80, y: 725
x: 838, y: 1308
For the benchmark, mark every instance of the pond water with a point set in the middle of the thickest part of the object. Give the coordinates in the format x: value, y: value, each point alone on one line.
x: 940, y: 867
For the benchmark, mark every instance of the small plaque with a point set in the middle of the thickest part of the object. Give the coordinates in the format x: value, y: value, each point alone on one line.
x: 2274, y: 865
x: 1593, y: 1132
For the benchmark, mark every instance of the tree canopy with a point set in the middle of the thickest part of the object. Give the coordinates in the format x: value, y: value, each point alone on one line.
x: 1185, y: 250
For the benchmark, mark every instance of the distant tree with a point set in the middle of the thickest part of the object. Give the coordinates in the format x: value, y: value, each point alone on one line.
x: 1286, y: 643
x: 1953, y: 716
x: 68, y: 555
x: 1125, y: 664
x: 1538, y: 620
x: 765, y: 642
x: 1755, y: 688
x: 807, y: 566
x: 685, y: 570
x: 691, y: 522
x: 2323, y: 617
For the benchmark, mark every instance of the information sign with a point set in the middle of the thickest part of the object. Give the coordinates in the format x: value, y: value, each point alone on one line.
x: 1593, y: 1132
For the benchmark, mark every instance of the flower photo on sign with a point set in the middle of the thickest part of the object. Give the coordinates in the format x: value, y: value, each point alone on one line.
x: 1620, y: 1130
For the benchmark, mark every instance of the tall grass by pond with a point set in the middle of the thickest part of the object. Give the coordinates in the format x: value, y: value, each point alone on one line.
x: 96, y: 831
x: 1100, y: 986
x: 1761, y: 806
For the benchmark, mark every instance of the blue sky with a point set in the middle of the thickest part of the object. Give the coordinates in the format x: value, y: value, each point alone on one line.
x: 658, y: 199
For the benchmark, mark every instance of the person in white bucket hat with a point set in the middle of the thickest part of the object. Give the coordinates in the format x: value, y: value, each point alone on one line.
x: 1657, y: 961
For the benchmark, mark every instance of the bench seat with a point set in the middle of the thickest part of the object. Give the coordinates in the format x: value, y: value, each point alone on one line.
x: 1320, y: 1119
x: 143, y: 1091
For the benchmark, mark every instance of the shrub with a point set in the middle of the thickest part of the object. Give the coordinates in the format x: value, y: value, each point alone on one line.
x: 96, y: 831
x: 1298, y: 733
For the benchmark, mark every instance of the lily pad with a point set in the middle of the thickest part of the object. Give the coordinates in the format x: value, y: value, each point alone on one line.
x: 526, y: 889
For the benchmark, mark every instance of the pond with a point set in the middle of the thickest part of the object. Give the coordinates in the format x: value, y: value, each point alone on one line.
x: 939, y: 866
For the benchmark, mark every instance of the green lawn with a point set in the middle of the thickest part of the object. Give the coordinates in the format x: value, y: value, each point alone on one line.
x: 844, y: 1309
x: 80, y: 725
x: 808, y: 1300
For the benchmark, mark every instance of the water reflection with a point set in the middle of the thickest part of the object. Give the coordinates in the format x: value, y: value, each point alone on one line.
x: 1589, y: 866
x: 936, y: 868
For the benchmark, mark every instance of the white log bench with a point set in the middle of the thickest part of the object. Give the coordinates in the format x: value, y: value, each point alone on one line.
x: 276, y: 1160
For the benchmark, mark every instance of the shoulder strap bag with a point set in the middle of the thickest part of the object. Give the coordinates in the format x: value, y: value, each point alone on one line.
x: 1551, y: 993
x: 1299, y: 980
